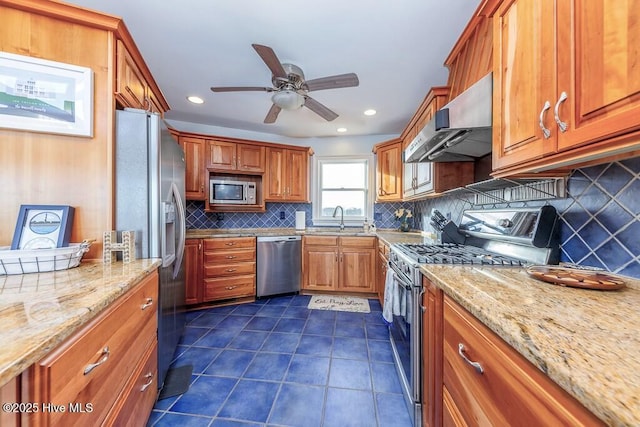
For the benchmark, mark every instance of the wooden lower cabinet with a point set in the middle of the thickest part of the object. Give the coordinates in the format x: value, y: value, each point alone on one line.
x: 228, y: 268
x: 193, y: 271
x: 90, y: 374
x: 336, y: 263
x: 431, y: 355
x: 510, y: 391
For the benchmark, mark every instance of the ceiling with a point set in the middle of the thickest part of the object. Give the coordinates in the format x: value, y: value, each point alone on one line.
x: 397, y: 49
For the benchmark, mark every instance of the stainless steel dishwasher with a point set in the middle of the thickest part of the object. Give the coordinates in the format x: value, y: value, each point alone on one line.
x: 279, y: 265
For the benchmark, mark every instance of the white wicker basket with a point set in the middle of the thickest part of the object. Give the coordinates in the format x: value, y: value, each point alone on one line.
x: 41, y: 260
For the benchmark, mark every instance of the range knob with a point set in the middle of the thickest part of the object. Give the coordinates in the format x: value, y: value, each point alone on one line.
x: 505, y: 223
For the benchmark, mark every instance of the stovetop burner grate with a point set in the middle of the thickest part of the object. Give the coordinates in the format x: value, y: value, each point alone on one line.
x: 452, y: 253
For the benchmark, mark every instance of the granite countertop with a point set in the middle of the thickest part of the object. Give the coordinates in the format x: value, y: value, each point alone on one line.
x: 587, y: 341
x: 40, y: 310
x: 389, y: 236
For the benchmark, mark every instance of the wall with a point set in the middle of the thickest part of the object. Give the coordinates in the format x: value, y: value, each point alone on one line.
x: 39, y: 168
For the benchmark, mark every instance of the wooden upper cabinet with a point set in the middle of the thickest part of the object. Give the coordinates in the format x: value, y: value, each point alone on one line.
x: 221, y: 155
x: 287, y: 175
x: 567, y: 67
x: 389, y: 171
x: 251, y: 158
x: 231, y: 156
x: 133, y: 89
x: 195, y: 180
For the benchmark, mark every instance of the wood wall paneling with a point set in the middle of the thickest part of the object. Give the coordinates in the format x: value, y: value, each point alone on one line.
x: 40, y: 168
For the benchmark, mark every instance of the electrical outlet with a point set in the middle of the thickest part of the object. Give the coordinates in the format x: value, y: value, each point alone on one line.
x: 281, y: 214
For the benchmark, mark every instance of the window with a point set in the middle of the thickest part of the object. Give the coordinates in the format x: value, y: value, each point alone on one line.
x: 342, y: 182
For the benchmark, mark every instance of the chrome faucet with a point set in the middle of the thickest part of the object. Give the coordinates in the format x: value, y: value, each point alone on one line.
x: 341, y: 216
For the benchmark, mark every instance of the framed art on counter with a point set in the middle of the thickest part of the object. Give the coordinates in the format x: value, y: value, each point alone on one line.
x: 43, y: 227
x: 38, y: 95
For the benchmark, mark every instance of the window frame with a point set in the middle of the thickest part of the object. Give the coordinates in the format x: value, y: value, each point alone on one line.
x: 349, y: 220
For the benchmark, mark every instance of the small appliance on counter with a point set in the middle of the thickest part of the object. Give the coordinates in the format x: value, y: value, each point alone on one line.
x: 301, y: 221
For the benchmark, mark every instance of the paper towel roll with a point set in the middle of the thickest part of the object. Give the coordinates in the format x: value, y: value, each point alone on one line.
x: 300, y: 220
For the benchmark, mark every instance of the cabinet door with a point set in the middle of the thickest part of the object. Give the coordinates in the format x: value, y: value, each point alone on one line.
x: 408, y: 180
x: 524, y: 79
x: 193, y: 271
x: 389, y: 173
x: 250, y: 158
x: 357, y: 269
x: 275, y: 174
x: 131, y: 87
x: 424, y: 178
x: 221, y: 155
x: 297, y: 167
x: 195, y: 168
x: 320, y: 268
x: 598, y: 68
x: 431, y: 354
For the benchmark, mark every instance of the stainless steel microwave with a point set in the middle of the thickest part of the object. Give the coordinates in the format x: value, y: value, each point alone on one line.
x: 232, y: 192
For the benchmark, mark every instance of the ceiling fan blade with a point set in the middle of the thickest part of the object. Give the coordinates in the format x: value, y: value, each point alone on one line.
x: 272, y: 115
x: 333, y: 82
x: 241, y: 89
x: 319, y: 109
x: 269, y: 57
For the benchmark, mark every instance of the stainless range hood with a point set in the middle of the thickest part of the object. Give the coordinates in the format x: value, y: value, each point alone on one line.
x: 460, y: 131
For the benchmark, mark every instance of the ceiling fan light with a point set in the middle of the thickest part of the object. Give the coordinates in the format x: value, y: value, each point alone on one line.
x: 288, y: 99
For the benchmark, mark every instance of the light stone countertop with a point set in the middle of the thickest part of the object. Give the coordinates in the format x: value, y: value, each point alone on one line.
x: 40, y: 310
x: 587, y: 341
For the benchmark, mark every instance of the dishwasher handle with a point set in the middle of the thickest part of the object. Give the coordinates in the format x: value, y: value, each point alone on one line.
x: 278, y: 239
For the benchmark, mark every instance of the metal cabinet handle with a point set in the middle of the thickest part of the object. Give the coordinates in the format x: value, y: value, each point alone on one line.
x: 476, y: 365
x: 230, y: 243
x: 230, y: 288
x: 546, y: 132
x: 422, y: 307
x: 91, y: 366
x: 230, y: 270
x: 562, y: 125
x: 230, y: 257
x: 146, y: 385
x: 148, y: 303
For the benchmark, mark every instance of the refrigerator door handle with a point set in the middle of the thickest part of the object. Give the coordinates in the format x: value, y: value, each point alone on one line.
x: 182, y: 225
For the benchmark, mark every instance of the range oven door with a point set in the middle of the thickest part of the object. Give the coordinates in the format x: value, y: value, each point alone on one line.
x: 406, y: 341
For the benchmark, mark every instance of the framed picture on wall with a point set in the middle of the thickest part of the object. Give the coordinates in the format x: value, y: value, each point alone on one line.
x: 38, y: 95
x: 43, y: 227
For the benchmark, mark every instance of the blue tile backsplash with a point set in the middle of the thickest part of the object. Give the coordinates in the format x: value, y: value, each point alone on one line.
x: 599, y: 219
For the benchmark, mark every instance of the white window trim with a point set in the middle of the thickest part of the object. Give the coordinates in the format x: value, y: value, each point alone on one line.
x: 317, y: 219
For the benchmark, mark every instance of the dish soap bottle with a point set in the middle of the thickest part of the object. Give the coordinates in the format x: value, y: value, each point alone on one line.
x: 365, y: 225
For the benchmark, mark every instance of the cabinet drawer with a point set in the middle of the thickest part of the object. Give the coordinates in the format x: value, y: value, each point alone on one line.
x: 358, y: 242
x: 139, y: 395
x: 229, y: 287
x: 229, y: 243
x: 66, y: 374
x: 241, y: 268
x: 321, y: 240
x: 510, y: 391
x: 216, y: 257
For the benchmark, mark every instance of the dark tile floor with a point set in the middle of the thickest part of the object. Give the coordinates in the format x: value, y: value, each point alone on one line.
x: 276, y: 363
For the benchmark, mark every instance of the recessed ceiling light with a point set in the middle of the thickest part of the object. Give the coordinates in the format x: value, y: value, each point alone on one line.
x: 195, y: 99
x: 341, y: 130
x: 370, y: 112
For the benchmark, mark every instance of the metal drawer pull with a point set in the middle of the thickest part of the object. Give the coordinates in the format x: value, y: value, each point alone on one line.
x: 90, y: 367
x: 230, y: 270
x: 476, y: 365
x: 546, y: 132
x: 562, y: 125
x: 146, y: 385
x: 230, y: 243
x: 149, y: 303
x: 230, y: 257
x: 230, y: 288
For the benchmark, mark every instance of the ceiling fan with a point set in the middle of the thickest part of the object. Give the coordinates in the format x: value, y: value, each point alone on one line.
x: 291, y: 88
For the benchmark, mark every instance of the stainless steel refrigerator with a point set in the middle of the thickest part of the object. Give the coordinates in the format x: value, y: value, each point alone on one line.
x: 150, y: 199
